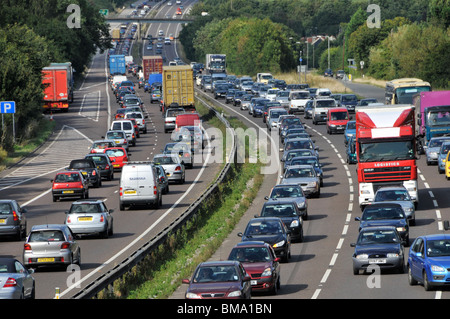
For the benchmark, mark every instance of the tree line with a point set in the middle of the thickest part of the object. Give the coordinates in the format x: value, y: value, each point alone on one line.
x: 34, y: 33
x: 412, y: 40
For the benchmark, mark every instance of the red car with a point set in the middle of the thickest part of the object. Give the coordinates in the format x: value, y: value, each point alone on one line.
x: 69, y: 184
x: 260, y: 262
x: 219, y: 280
x: 118, y: 156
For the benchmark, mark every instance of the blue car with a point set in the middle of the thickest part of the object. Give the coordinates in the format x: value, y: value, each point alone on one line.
x: 378, y: 246
x: 442, y: 155
x: 351, y: 151
x: 350, y: 130
x: 429, y: 261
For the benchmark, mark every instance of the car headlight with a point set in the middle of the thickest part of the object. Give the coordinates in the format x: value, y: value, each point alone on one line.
x: 362, y: 256
x: 312, y: 184
x: 267, y: 272
x: 401, y: 229
x: 332, y: 125
x: 301, y: 205
x: 236, y: 293
x: 294, y: 223
x: 190, y: 295
x: 279, y: 244
x: 408, y: 209
x: 435, y: 268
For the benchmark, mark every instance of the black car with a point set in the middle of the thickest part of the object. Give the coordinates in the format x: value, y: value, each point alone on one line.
x: 238, y: 97
x: 88, y: 168
x: 229, y: 96
x: 385, y: 214
x: 379, y: 246
x: 328, y: 72
x: 104, y: 165
x: 221, y: 90
x: 288, y: 211
x: 271, y: 230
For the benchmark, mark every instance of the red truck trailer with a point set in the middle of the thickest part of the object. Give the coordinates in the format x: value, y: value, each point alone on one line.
x: 385, y: 150
x: 56, y: 88
x: 152, y: 64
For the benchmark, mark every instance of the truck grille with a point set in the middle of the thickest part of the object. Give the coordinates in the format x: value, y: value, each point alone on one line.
x: 387, y: 174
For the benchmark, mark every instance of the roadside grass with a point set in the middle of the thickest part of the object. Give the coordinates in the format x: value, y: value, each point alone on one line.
x: 160, y: 273
x: 39, y: 133
x: 314, y: 80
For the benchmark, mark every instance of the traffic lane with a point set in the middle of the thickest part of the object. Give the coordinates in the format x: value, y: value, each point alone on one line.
x: 365, y: 90
x: 390, y: 284
x: 321, y: 230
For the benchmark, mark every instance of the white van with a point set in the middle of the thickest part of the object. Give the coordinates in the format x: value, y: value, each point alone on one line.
x: 139, y: 185
x: 117, y: 79
x: 128, y: 127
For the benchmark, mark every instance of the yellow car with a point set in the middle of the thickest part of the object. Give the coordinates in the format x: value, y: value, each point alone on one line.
x: 447, y: 166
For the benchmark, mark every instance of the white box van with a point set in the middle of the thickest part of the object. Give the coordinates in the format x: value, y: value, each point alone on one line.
x: 139, y: 185
x: 128, y: 127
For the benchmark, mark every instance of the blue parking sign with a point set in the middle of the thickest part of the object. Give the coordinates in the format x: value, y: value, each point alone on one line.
x: 7, y: 107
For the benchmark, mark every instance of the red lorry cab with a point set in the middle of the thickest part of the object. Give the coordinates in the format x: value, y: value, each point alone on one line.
x: 337, y: 119
x: 187, y: 119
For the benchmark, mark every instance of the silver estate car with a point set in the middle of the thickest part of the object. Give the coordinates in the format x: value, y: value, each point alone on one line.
x: 90, y: 217
x: 51, y: 245
x: 292, y: 192
x: 173, y: 166
x: 433, y: 147
x: 400, y: 195
x: 305, y: 176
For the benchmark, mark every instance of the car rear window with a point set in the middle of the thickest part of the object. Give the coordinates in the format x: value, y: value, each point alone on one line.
x: 61, y: 178
x: 46, y: 235
x: 5, y: 209
x: 85, y: 208
x: 115, y: 153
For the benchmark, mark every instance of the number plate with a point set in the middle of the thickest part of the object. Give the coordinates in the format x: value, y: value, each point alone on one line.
x: 2, y: 221
x: 377, y: 261
x: 116, y: 165
x: 67, y: 192
x: 130, y: 192
x: 253, y: 282
x: 45, y: 260
x: 84, y: 219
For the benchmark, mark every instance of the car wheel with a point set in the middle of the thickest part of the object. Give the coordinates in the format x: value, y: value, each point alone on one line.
x: 426, y: 283
x: 355, y: 271
x: 411, y: 279
x: 55, y: 198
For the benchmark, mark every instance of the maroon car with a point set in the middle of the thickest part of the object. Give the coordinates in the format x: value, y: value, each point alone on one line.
x: 261, y: 263
x: 219, y: 280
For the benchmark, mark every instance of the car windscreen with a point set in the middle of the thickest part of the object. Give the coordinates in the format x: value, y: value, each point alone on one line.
x: 286, y: 192
x: 299, y: 172
x: 278, y: 210
x: 250, y: 254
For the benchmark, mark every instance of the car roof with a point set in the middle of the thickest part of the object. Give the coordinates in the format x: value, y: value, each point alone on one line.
x: 436, y: 236
x: 88, y: 201
x: 386, y: 188
x: 219, y: 263
x: 383, y: 204
x: 49, y: 227
x: 284, y: 200
x: 251, y: 244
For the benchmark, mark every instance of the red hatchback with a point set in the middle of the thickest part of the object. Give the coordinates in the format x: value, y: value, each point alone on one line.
x: 118, y: 156
x: 219, y: 280
x: 69, y: 184
x: 260, y: 262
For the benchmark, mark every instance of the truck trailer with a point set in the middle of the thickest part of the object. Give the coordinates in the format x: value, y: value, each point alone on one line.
x: 385, y: 150
x: 433, y: 116
x: 178, y: 87
x: 56, y: 88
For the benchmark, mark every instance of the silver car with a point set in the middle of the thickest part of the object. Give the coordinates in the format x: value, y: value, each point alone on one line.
x: 399, y: 195
x: 12, y: 219
x: 183, y: 150
x: 170, y: 118
x: 305, y: 176
x: 90, y: 217
x: 51, y: 245
x: 283, y: 98
x: 432, y: 149
x: 245, y: 101
x: 293, y: 192
x: 119, y: 138
x: 300, y: 143
x: 16, y: 281
x: 172, y: 165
